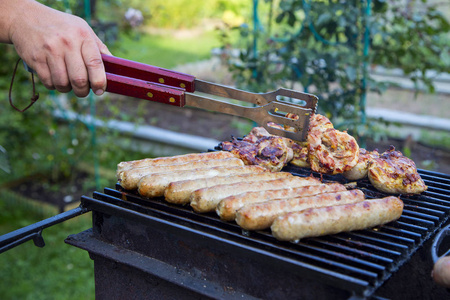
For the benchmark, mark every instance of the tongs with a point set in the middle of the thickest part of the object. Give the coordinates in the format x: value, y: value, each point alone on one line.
x: 279, y: 117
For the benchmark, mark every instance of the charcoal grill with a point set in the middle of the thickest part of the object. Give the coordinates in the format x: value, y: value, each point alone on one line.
x: 166, y: 250
x: 147, y: 248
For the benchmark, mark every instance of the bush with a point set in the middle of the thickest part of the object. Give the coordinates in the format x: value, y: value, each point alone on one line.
x: 35, y: 140
x: 326, y: 47
x: 187, y: 14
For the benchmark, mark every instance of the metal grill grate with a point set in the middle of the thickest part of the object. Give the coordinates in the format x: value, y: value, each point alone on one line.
x: 359, y: 261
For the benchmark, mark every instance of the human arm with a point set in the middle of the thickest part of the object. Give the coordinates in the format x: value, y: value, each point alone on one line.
x: 62, y: 48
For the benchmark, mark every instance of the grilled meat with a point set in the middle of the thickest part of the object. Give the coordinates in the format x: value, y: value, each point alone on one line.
x: 300, y: 156
x: 330, y: 151
x: 227, y: 207
x: 334, y: 219
x: 270, y: 152
x: 258, y: 216
x: 360, y: 170
x: 207, y: 199
x: 129, y: 179
x: 154, y: 185
x: 394, y: 173
x: 148, y: 162
x: 179, y: 192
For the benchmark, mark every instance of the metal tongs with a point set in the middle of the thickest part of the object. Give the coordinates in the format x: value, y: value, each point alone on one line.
x: 279, y: 117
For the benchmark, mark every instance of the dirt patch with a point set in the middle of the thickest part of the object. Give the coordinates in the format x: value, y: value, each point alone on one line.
x: 62, y: 193
x: 59, y: 192
x: 184, y: 120
x: 223, y: 127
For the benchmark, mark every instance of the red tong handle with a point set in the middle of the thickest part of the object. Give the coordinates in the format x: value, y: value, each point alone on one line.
x: 134, y: 79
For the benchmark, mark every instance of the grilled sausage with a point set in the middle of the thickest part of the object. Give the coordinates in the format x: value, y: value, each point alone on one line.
x: 154, y: 185
x: 147, y: 162
x: 207, y: 199
x: 334, y: 219
x: 258, y: 216
x: 179, y: 192
x: 129, y: 179
x: 227, y: 207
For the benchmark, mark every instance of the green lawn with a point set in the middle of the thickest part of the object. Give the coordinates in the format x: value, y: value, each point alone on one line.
x: 56, y: 271
x: 60, y: 271
x: 167, y: 51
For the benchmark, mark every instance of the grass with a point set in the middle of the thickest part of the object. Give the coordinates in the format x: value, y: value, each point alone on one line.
x: 61, y: 271
x: 167, y: 51
x: 57, y: 271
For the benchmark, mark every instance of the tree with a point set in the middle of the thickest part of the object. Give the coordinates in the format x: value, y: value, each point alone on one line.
x: 326, y: 47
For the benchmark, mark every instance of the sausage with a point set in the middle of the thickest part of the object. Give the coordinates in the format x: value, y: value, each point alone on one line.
x: 227, y: 207
x: 154, y: 185
x: 334, y: 219
x: 129, y: 179
x: 179, y: 192
x: 167, y: 160
x: 207, y: 199
x: 258, y: 216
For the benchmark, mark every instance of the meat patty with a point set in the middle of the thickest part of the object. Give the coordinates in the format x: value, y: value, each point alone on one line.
x: 330, y: 151
x: 361, y: 169
x: 394, y: 173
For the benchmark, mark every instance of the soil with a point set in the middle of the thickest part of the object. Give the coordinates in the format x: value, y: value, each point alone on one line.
x: 59, y: 192
x: 223, y: 127
x: 210, y: 125
x: 205, y: 124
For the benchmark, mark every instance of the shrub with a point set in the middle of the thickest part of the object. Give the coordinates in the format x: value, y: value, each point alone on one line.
x: 326, y: 47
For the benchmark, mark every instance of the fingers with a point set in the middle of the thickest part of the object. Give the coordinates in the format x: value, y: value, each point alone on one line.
x: 62, y: 48
x: 77, y: 74
x: 94, y: 65
x: 85, y: 67
x: 58, y: 74
x: 44, y: 75
x: 80, y: 70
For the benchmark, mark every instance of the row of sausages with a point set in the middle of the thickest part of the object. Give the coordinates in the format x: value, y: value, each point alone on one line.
x: 293, y: 207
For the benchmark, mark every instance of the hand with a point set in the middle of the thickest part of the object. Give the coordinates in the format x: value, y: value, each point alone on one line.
x: 62, y: 49
x: 441, y: 272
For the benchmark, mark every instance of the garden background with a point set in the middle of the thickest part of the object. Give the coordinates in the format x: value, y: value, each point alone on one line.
x: 360, y: 57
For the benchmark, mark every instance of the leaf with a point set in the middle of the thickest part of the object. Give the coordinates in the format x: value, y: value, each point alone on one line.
x: 280, y: 17
x: 323, y: 19
x: 291, y: 18
x: 445, y: 57
x: 351, y: 73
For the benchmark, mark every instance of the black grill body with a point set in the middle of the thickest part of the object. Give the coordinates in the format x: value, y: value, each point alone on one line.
x: 149, y: 249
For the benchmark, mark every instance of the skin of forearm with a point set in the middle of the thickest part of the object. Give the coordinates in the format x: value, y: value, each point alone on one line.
x: 62, y: 48
x: 13, y: 13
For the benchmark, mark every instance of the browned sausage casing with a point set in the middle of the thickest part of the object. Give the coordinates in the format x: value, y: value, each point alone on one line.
x: 147, y: 162
x: 154, y: 185
x: 179, y: 192
x: 129, y: 179
x: 207, y: 199
x: 258, y: 216
x: 227, y: 207
x: 334, y: 219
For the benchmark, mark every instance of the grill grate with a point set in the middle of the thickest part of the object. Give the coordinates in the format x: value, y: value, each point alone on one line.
x: 359, y: 261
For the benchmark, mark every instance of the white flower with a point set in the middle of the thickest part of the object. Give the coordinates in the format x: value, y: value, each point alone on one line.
x: 134, y: 17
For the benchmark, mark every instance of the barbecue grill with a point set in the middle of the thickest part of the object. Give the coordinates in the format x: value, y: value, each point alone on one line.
x: 147, y: 248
